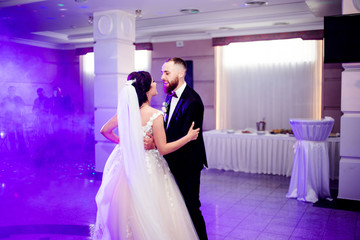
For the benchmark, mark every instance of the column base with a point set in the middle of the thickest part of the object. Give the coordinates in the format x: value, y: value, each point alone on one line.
x: 102, y: 153
x: 349, y: 187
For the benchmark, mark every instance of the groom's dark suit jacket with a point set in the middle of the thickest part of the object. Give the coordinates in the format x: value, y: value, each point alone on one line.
x: 192, y: 156
x: 187, y: 162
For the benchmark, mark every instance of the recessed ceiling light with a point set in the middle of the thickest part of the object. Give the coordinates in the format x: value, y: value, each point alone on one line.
x: 190, y: 11
x: 91, y: 20
x: 226, y: 28
x: 254, y: 3
x: 80, y: 1
x: 280, y: 23
x: 138, y: 13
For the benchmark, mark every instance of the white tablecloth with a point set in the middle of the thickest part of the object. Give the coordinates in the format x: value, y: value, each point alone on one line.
x: 252, y: 153
x: 310, y: 173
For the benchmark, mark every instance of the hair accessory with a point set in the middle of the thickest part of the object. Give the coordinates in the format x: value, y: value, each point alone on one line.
x: 130, y: 82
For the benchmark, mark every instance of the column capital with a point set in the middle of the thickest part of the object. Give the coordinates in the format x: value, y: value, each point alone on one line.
x: 114, y: 24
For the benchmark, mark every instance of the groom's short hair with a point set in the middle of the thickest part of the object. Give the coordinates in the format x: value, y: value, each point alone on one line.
x: 178, y: 61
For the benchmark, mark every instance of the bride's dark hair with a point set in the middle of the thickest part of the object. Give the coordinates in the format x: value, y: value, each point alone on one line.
x: 142, y: 84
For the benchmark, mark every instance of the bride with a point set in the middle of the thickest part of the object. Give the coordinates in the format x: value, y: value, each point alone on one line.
x: 138, y: 198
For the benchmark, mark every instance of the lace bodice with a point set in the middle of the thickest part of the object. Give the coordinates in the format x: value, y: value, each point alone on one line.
x: 147, y: 128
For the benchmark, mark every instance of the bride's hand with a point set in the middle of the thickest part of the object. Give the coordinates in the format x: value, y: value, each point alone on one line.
x: 193, y: 133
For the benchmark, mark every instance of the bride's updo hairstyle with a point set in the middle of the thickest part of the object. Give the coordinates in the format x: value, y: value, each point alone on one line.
x: 141, y: 84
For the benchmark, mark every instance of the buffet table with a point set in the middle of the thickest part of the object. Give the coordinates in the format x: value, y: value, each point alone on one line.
x: 252, y: 153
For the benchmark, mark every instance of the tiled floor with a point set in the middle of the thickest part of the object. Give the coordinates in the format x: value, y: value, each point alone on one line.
x: 54, y: 199
x: 253, y: 206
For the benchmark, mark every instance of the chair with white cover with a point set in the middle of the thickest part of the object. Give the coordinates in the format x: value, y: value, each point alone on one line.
x: 310, y: 172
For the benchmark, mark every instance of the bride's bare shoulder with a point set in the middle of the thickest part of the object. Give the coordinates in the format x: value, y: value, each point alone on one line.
x: 156, y: 112
x: 153, y: 110
x: 149, y: 113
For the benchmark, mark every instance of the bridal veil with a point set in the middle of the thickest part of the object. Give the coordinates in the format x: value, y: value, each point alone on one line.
x: 125, y: 174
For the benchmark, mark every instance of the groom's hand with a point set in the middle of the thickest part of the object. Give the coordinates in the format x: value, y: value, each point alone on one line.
x: 149, y: 142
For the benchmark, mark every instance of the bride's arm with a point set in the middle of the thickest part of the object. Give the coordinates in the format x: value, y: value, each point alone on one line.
x: 107, y: 130
x: 160, y: 137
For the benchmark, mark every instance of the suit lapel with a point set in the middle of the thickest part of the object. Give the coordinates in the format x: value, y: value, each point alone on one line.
x: 176, y: 110
x: 178, y: 106
x: 168, y: 101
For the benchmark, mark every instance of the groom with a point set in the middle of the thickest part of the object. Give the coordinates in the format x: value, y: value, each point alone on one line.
x: 184, y: 106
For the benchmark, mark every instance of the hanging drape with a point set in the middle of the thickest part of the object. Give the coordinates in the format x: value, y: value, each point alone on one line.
x: 87, y: 80
x: 272, y: 80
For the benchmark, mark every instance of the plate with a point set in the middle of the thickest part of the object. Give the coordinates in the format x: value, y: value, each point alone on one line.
x: 245, y: 131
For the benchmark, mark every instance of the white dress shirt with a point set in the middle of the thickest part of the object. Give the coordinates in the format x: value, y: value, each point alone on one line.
x: 175, y: 100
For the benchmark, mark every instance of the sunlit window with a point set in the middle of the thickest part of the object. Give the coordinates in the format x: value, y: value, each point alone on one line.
x: 142, y: 60
x: 88, y: 63
x: 87, y: 68
x: 276, y: 80
x: 275, y: 51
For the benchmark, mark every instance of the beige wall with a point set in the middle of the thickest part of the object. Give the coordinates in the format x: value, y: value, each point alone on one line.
x: 331, y: 103
x: 201, y: 52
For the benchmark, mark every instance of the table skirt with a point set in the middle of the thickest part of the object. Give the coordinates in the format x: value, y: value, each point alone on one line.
x: 252, y: 153
x: 310, y: 174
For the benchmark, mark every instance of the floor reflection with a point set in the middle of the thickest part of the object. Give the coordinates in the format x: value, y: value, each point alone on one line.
x: 54, y: 198
x: 48, y: 191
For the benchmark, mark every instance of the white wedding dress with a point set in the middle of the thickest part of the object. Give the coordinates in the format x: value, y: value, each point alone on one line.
x: 125, y: 213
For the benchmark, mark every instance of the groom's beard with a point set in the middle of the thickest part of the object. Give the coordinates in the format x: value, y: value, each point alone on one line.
x: 171, y: 86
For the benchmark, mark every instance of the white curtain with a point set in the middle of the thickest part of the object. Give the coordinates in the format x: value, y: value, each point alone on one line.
x: 143, y: 60
x: 87, y: 80
x: 272, y: 80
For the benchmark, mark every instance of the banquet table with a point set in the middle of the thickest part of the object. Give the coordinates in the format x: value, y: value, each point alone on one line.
x: 253, y: 153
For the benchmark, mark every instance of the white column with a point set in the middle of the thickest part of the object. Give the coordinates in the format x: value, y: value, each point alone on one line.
x: 349, y: 173
x: 114, y: 35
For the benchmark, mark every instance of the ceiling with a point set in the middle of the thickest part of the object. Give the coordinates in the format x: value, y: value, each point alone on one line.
x: 66, y: 24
